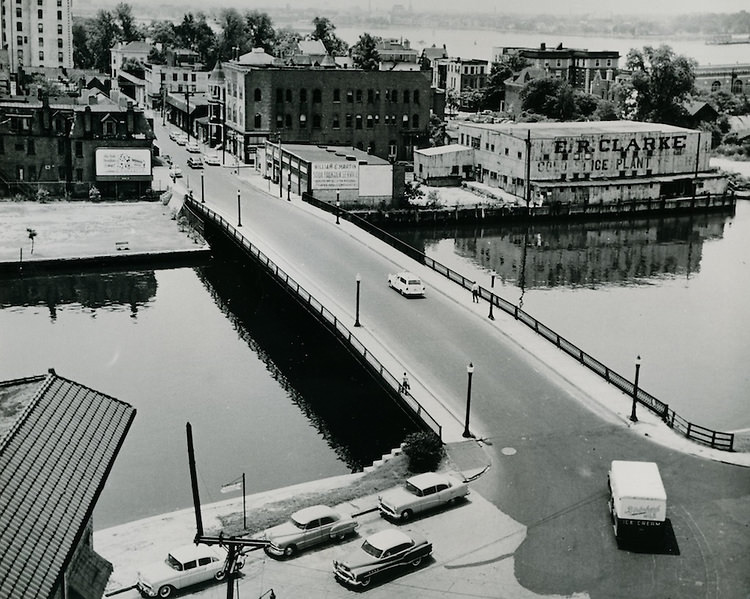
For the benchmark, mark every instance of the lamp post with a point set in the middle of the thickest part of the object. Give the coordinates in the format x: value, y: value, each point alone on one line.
x: 491, y: 316
x: 289, y: 185
x: 469, y: 372
x: 633, y: 417
x: 358, y: 279
x: 203, y: 195
x: 239, y: 212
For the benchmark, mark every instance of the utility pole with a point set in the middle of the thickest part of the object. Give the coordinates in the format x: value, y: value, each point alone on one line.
x: 233, y: 545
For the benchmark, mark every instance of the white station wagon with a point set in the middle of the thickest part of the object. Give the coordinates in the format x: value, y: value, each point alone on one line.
x: 183, y: 567
x: 421, y: 493
x: 406, y: 283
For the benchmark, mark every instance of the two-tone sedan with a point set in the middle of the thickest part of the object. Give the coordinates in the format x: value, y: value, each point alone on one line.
x: 381, y: 552
x: 420, y: 493
x: 308, y: 527
x: 183, y: 567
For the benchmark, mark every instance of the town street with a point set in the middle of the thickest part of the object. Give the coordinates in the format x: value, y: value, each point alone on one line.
x: 550, y: 446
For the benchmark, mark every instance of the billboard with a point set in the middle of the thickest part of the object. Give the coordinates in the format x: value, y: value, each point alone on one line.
x: 335, y: 175
x: 123, y: 164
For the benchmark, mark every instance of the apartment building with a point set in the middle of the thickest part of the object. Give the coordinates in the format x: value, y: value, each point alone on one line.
x: 37, y: 33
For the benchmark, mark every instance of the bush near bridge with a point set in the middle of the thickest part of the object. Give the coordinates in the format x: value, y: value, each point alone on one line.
x: 424, y: 450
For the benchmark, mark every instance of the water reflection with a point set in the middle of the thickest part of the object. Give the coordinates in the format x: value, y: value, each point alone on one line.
x: 355, y: 416
x: 91, y: 290
x: 574, y: 254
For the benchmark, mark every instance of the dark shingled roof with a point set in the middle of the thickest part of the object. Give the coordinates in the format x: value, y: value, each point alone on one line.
x: 54, y: 461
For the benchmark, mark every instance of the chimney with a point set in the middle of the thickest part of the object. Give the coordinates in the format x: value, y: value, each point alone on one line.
x: 130, y: 119
x: 543, y: 46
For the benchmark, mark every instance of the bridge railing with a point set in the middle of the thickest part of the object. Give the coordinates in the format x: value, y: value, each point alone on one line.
x: 323, y: 314
x: 716, y: 439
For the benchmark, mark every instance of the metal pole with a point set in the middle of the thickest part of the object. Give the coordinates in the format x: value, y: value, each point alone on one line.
x: 358, y: 278
x: 187, y: 101
x: 281, y: 170
x: 338, y: 208
x: 289, y: 185
x: 194, y: 482
x: 633, y: 417
x: 239, y: 210
x: 469, y: 372
x: 203, y: 196
x: 492, y: 295
x: 244, y: 507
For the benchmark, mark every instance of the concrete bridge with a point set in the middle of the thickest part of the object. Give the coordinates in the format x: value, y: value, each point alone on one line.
x: 549, y: 426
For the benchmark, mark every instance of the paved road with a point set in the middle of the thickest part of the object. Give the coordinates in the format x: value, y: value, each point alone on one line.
x: 550, y: 453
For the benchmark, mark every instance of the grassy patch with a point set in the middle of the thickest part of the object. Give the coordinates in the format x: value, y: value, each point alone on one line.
x: 389, y: 474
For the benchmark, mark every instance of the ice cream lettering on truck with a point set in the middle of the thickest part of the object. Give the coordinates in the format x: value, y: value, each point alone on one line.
x: 638, y: 501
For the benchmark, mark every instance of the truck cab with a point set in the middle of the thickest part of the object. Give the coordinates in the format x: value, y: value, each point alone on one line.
x: 638, y: 501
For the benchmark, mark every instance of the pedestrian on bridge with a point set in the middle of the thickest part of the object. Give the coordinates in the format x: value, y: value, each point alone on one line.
x: 475, y: 292
x: 404, y: 387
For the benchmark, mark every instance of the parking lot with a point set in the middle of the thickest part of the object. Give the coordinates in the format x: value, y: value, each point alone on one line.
x: 473, y: 546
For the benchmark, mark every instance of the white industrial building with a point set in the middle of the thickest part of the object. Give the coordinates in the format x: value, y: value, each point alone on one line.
x: 585, y: 162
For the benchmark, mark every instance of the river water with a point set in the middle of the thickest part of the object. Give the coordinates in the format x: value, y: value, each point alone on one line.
x: 472, y: 43
x: 266, y: 391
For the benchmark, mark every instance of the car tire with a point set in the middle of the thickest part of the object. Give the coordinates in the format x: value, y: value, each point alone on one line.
x: 406, y: 515
x: 416, y: 562
x: 339, y: 537
x: 166, y: 591
x: 220, y: 575
x: 365, y: 582
x: 290, y: 550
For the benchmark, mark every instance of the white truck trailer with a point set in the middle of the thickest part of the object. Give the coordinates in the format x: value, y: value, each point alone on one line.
x: 638, y: 501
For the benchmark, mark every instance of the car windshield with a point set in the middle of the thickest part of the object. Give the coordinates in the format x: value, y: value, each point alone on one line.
x: 371, y: 549
x: 298, y: 523
x: 414, y: 282
x: 413, y: 489
x: 173, y: 563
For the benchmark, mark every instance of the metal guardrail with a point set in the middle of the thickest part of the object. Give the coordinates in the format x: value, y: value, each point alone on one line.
x: 317, y: 309
x: 716, y: 439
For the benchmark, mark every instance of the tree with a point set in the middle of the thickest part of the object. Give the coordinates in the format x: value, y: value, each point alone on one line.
x: 103, y: 34
x: 471, y: 99
x: 365, y: 54
x: 129, y: 30
x: 436, y: 131
x: 196, y: 34
x: 541, y: 96
x: 232, y: 34
x: 605, y: 111
x: 286, y: 42
x: 425, y: 451
x: 324, y: 31
x: 500, y: 72
x: 260, y: 31
x: 82, y: 56
x: 662, y: 81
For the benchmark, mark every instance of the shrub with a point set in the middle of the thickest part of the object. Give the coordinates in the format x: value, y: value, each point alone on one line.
x: 425, y: 451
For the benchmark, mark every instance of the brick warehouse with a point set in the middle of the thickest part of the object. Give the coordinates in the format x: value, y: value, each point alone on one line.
x: 384, y: 113
x: 66, y: 148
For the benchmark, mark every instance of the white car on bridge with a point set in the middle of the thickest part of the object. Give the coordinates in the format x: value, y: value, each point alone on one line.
x: 406, y: 283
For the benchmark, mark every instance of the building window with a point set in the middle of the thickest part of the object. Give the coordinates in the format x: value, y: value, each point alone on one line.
x: 185, y: 77
x: 59, y: 42
x: 19, y: 40
x: 370, y: 95
x: 257, y: 95
x: 41, y: 54
x: 288, y: 95
x: 302, y: 121
x: 349, y: 96
x: 337, y: 95
x: 519, y: 155
x: 303, y: 95
x: 40, y: 14
x: 369, y: 121
x: 358, y: 120
x: 59, y: 29
x: 377, y: 119
x: 348, y: 121
x: 39, y: 28
x: 59, y: 15
x: 405, y: 120
x: 40, y: 41
x: 79, y: 149
x: 406, y: 96
x: 19, y: 13
x: 258, y: 120
x: 31, y: 148
x: 415, y: 121
x: 336, y: 124
x: 279, y: 95
x: 279, y: 121
x: 394, y: 95
x: 109, y: 128
x: 317, y: 97
x: 288, y: 121
x: 317, y: 121
x: 359, y: 96
x: 174, y: 76
x: 415, y: 96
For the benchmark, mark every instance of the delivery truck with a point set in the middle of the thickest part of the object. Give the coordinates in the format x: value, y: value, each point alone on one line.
x: 638, y: 501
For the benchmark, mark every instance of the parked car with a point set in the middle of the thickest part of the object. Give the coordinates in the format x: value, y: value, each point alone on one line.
x: 167, y: 159
x: 193, y: 147
x: 307, y: 527
x: 380, y: 552
x: 181, y: 139
x: 183, y: 567
x: 406, y: 283
x: 420, y: 493
x: 194, y: 162
x: 211, y: 158
x: 175, y: 171
x: 173, y: 134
